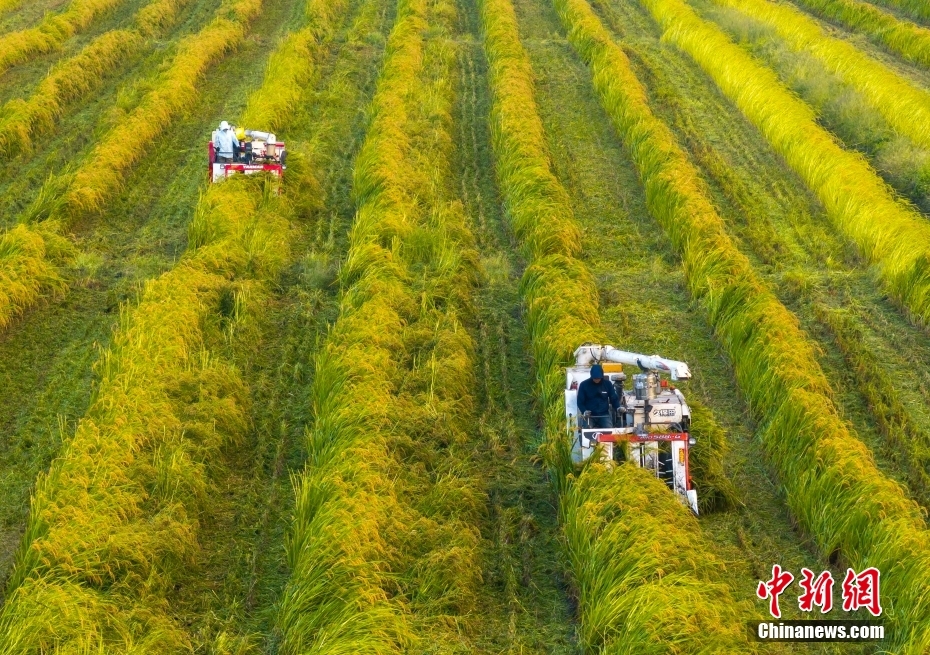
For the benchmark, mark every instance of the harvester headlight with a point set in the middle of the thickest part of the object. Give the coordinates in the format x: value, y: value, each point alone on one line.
x: 692, y: 441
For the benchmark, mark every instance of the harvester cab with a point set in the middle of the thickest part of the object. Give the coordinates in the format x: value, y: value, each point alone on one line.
x: 651, y: 426
x: 258, y: 152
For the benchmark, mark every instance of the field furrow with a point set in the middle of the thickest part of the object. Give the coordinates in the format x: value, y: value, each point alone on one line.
x: 525, y: 587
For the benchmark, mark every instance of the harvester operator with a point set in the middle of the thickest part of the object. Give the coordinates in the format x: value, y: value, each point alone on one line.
x: 595, y: 396
x: 225, y: 143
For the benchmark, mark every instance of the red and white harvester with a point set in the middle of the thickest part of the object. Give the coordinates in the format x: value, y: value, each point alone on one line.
x: 651, y: 427
x: 259, y: 152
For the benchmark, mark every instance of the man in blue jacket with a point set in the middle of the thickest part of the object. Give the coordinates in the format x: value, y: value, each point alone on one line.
x: 595, y: 395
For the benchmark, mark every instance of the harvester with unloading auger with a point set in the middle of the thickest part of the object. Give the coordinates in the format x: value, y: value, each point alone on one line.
x: 650, y: 424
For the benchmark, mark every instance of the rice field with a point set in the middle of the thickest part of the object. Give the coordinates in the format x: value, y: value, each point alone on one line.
x: 324, y: 413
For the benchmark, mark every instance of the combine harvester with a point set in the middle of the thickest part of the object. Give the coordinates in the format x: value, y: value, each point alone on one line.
x: 651, y: 425
x: 259, y: 152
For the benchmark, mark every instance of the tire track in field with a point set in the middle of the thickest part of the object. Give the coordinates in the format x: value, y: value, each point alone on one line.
x: 776, y: 221
x: 644, y: 301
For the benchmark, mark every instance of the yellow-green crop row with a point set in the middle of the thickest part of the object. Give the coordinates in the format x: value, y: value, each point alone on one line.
x: 26, y: 270
x: 888, y: 233
x: 905, y: 106
x: 274, y: 106
x: 384, y: 547
x: 832, y: 485
x: 113, y: 525
x: 635, y: 551
x: 158, y: 16
x: 55, y: 29
x: 903, y: 37
x: 23, y: 120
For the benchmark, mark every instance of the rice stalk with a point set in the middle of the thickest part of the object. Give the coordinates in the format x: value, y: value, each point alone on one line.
x: 27, y: 273
x: 832, y: 485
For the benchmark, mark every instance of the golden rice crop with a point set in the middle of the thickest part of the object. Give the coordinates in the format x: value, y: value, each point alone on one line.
x: 26, y: 271
x: 832, y: 484
x: 55, y: 29
x: 9, y: 5
x: 651, y: 589
x: 291, y: 67
x: 887, y: 232
x: 384, y: 548
x: 113, y: 525
x: 624, y: 531
x: 904, y: 105
x: 900, y: 36
x: 159, y: 15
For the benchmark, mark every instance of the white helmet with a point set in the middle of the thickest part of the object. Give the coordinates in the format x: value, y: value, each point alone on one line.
x: 224, y: 125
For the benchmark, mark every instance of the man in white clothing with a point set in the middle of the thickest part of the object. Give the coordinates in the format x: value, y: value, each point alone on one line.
x: 225, y: 143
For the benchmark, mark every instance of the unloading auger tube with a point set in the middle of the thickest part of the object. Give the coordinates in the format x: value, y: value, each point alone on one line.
x: 590, y: 354
x: 651, y: 426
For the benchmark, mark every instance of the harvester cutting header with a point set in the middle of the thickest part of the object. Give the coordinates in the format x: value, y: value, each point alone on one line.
x: 236, y: 150
x: 647, y: 425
